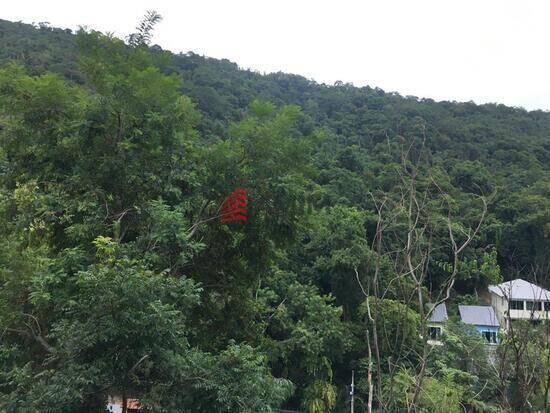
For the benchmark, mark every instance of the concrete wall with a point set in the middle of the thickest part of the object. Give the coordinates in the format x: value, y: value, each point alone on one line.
x: 500, y: 305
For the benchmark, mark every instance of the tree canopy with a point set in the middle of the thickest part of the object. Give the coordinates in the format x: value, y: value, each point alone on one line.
x: 118, y: 278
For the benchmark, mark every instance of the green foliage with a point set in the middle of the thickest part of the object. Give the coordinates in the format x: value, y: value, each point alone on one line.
x: 440, y: 394
x: 237, y: 380
x: 469, y: 362
x: 525, y: 350
x: 142, y: 37
x: 114, y: 325
x: 320, y: 397
x: 304, y: 336
x: 477, y: 272
x: 333, y: 248
x: 116, y: 276
x: 115, y: 164
x: 398, y: 327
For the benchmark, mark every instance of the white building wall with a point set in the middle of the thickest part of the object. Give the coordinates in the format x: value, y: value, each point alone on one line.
x: 500, y: 305
x: 114, y: 405
x: 528, y: 315
x: 114, y: 408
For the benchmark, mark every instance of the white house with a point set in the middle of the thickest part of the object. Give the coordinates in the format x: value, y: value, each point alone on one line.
x: 519, y: 300
x: 435, y: 323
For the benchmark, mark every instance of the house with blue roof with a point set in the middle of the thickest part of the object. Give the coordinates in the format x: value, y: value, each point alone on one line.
x: 483, y: 318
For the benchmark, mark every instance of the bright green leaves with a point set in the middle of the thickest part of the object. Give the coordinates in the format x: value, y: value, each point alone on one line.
x: 105, y: 59
x: 240, y: 380
x: 334, y: 247
x: 125, y: 305
x: 438, y: 395
x: 487, y: 271
x: 304, y: 336
x: 141, y: 105
x: 42, y: 121
x: 319, y: 397
x: 269, y: 156
x: 167, y: 236
x: 302, y: 319
x: 36, y: 99
x: 339, y: 238
x: 398, y: 327
x: 98, y: 153
x: 106, y: 249
x: 103, y: 191
x: 465, y: 364
x: 118, y: 195
x: 115, y: 326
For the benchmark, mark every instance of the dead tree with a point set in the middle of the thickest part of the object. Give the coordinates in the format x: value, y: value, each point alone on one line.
x: 412, y: 206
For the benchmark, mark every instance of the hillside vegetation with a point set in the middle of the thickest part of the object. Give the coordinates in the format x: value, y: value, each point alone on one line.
x: 116, y: 277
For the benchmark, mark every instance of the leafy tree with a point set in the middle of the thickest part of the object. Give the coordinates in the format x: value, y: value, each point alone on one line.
x: 116, y: 275
x: 304, y: 337
x: 109, y: 162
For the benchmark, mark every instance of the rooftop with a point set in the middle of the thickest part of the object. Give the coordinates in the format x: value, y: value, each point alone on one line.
x: 520, y: 290
x: 479, y: 315
x: 439, y: 314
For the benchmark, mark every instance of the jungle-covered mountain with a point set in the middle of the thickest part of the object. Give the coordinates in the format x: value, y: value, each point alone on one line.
x: 487, y: 147
x: 118, y: 277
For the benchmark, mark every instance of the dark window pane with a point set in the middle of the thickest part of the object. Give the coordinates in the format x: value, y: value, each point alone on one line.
x: 490, y: 336
x: 434, y: 333
x: 533, y: 305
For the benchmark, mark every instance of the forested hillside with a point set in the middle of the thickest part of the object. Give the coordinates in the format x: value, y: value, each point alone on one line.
x: 117, y: 277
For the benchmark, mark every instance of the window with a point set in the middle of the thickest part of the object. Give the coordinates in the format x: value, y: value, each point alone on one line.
x: 547, y: 305
x: 434, y: 333
x: 534, y: 305
x: 516, y: 305
x: 490, y: 336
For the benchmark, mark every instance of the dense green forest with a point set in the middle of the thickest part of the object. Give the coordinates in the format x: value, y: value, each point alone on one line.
x: 117, y: 277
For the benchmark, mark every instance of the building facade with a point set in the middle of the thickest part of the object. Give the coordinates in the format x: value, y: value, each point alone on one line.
x: 484, y: 319
x: 519, y: 300
x: 436, y: 323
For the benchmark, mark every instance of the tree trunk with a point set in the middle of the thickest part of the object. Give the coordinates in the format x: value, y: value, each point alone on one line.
x: 124, y: 402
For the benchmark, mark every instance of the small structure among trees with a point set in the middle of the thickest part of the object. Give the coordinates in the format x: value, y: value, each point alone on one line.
x: 436, y: 322
x: 483, y: 318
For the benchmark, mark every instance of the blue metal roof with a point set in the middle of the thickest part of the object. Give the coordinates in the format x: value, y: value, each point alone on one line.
x: 479, y: 315
x: 439, y: 314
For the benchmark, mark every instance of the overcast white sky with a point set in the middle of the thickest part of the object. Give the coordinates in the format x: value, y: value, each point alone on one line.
x: 482, y: 50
